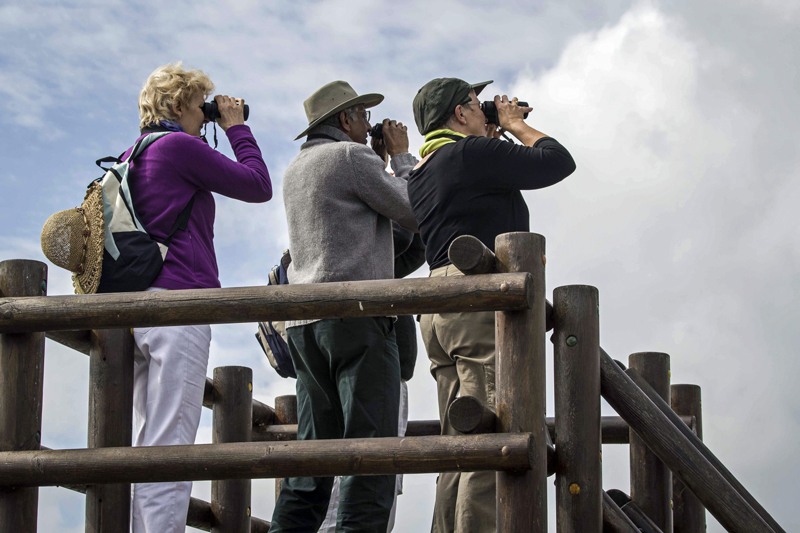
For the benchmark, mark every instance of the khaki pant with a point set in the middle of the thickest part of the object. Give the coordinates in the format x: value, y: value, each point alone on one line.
x: 461, y: 349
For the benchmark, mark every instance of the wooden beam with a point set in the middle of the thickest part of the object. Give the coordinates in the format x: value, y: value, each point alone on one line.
x: 688, y: 513
x: 256, y: 460
x: 576, y: 341
x: 108, y: 507
x: 232, y: 422
x: 520, y: 386
x: 274, y: 302
x: 706, y: 453
x: 651, y: 480
x: 614, y: 519
x: 678, y: 453
x: 21, y: 392
x: 634, y: 513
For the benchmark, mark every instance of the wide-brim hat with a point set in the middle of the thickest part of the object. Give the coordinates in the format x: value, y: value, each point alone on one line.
x: 74, y: 239
x: 333, y: 98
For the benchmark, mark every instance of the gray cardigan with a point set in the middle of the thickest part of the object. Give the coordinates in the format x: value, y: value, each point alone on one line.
x: 340, y: 202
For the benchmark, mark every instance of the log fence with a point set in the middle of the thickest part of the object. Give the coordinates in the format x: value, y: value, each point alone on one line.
x: 674, y: 477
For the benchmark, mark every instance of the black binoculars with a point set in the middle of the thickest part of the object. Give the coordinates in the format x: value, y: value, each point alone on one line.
x: 211, y: 111
x: 490, y: 110
x: 377, y: 130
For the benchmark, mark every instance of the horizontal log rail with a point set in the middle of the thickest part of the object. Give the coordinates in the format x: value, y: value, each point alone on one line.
x: 256, y: 460
x: 491, y: 292
x: 614, y: 429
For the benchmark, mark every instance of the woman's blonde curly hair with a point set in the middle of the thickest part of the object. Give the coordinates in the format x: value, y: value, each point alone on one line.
x: 169, y: 84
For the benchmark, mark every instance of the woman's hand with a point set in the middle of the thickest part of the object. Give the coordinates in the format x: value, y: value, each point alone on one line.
x: 509, y: 114
x: 231, y: 111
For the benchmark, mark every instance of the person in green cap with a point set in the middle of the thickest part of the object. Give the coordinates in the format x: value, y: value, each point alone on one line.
x: 469, y: 182
x: 340, y: 203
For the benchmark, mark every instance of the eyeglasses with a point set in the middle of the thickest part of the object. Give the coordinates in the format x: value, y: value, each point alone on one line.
x: 366, y: 115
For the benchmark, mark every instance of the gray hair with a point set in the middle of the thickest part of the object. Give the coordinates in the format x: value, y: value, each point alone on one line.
x: 333, y: 120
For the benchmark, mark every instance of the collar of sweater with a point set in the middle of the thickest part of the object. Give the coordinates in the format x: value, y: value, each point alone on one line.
x: 335, y: 133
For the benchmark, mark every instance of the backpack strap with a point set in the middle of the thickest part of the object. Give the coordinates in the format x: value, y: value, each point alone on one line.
x: 182, y: 221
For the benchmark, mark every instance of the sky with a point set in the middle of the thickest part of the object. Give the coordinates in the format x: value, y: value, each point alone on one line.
x: 681, y: 117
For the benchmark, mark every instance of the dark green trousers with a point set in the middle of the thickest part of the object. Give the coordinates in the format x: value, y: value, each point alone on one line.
x: 348, y: 386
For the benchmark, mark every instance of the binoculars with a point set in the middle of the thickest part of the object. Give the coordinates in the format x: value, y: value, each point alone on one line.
x: 377, y: 130
x: 211, y: 111
x: 490, y: 110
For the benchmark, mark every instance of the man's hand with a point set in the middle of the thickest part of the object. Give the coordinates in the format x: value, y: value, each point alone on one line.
x: 379, y: 147
x: 395, y: 136
x: 231, y: 111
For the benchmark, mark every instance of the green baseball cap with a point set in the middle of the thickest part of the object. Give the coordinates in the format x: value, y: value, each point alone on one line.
x: 438, y: 98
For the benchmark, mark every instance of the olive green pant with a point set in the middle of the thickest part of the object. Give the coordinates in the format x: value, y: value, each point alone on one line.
x: 348, y: 386
x: 461, y: 349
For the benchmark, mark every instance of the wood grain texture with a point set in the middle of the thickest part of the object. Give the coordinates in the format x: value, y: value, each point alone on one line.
x: 614, y: 520
x: 520, y: 385
x: 703, y: 449
x: 579, y: 488
x: 675, y: 449
x: 706, y: 453
x: 688, y: 513
x: 21, y: 391
x: 468, y: 415
x: 614, y: 429
x: 471, y: 256
x: 108, y: 506
x: 489, y: 292
x: 651, y: 480
x: 256, y: 460
x: 232, y: 422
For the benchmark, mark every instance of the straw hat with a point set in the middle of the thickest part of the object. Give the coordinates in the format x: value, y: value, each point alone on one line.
x: 332, y: 98
x: 74, y: 240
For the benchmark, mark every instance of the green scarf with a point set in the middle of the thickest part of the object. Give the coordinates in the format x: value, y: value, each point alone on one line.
x: 436, y: 139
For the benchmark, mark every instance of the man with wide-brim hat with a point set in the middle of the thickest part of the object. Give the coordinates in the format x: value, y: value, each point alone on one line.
x: 340, y: 204
x: 469, y: 182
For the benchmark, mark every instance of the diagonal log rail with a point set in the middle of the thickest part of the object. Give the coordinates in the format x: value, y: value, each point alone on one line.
x: 698, y: 443
x: 491, y: 292
x: 470, y: 256
x: 254, y: 460
x: 677, y: 452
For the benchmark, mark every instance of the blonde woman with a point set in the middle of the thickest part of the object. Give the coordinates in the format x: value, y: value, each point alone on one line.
x: 179, y: 168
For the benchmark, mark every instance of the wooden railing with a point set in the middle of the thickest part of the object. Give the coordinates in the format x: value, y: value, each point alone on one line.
x: 253, y: 440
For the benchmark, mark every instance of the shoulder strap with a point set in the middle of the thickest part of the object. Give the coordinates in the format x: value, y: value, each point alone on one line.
x: 182, y: 221
x: 144, y: 142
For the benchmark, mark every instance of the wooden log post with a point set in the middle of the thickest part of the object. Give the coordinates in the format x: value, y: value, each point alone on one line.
x: 108, y: 507
x: 651, y: 480
x: 579, y: 488
x: 233, y: 422
x: 285, y: 413
x: 520, y: 385
x: 688, y: 513
x: 21, y: 390
x: 683, y: 457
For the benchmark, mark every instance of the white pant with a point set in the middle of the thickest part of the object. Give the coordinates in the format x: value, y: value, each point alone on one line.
x: 329, y: 524
x: 168, y: 381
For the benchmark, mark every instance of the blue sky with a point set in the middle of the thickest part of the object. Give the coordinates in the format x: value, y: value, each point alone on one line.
x: 681, y: 118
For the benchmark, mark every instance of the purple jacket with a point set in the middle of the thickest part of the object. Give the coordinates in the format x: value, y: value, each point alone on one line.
x: 164, y: 178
